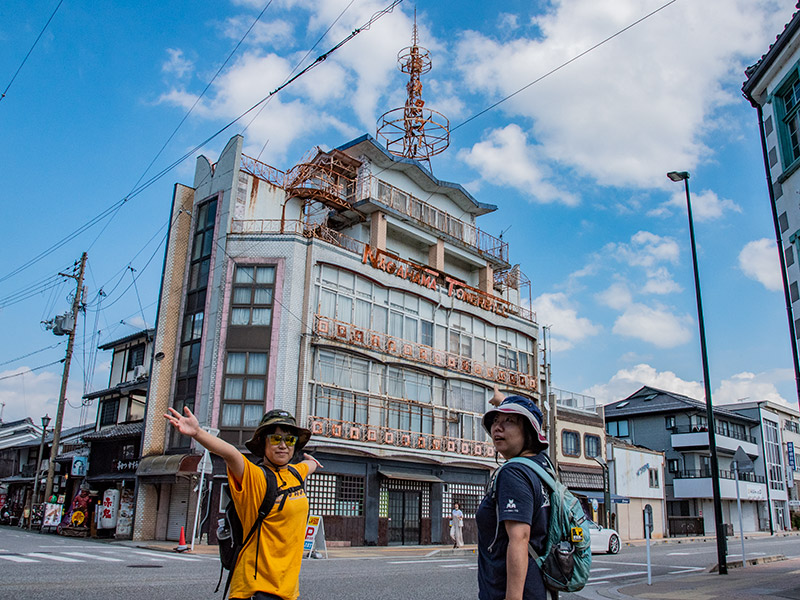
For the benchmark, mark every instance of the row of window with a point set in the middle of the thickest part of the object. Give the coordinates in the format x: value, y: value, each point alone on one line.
x: 353, y: 299
x: 571, y: 444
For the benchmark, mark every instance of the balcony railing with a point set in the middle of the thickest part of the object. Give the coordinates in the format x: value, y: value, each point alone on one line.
x: 705, y: 473
x: 574, y: 400
x: 370, y: 187
x: 718, y: 430
x: 263, y: 171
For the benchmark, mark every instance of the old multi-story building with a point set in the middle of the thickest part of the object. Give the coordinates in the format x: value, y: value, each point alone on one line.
x: 578, y: 449
x: 677, y: 426
x: 356, y: 291
x: 773, y: 89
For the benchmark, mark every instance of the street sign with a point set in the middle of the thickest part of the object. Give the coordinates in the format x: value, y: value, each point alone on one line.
x: 743, y: 462
x: 790, y: 452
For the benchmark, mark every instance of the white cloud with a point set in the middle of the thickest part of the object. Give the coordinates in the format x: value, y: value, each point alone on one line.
x: 660, y: 282
x: 274, y: 32
x: 749, y: 387
x: 706, y: 206
x: 657, y: 326
x: 177, y: 64
x: 505, y: 157
x: 626, y: 381
x: 612, y: 102
x: 567, y: 327
x: 759, y: 261
x: 617, y: 296
x: 34, y: 394
x: 646, y: 249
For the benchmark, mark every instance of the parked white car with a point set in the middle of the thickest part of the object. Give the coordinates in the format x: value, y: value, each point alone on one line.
x: 603, y: 539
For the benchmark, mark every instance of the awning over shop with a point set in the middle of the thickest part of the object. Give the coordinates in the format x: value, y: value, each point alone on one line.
x: 17, y: 479
x: 599, y: 496
x: 409, y: 476
x: 164, y: 468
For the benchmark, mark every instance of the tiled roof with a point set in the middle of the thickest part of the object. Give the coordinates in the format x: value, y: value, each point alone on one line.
x: 753, y: 72
x: 650, y: 400
x: 123, y: 430
x: 148, y: 333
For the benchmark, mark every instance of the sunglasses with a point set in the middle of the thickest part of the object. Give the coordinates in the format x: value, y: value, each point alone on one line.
x: 275, y: 439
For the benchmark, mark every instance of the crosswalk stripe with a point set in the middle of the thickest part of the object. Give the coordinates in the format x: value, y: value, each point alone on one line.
x: 13, y: 558
x: 93, y: 556
x: 165, y: 555
x: 52, y: 557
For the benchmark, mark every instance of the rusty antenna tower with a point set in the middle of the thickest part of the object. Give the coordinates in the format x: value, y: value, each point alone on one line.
x: 414, y: 131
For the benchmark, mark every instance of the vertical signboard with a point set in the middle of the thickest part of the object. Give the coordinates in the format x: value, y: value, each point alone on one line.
x: 108, y: 509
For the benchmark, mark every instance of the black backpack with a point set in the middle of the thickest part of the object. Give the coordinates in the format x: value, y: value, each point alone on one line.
x: 230, y: 533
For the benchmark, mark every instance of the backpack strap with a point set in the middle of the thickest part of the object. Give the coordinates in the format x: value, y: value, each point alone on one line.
x: 546, y: 478
x: 266, y: 506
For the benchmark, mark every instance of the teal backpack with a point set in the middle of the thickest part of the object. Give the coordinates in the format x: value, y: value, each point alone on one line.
x: 567, y: 558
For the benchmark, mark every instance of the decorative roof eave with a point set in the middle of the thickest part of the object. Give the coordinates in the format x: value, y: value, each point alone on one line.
x: 418, y: 174
x: 146, y: 334
x: 126, y: 388
x: 755, y: 72
x: 117, y: 432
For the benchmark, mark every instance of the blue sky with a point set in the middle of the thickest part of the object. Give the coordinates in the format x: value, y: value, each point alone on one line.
x: 576, y: 164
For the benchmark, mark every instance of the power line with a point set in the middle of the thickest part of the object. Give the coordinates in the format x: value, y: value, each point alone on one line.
x: 55, y: 362
x: 117, y: 205
x: 36, y: 41
x: 30, y: 354
x: 562, y: 65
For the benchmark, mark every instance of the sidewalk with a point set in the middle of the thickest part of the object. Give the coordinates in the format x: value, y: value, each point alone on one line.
x: 778, y: 579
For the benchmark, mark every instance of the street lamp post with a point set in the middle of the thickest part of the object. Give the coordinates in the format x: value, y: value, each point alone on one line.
x: 712, y: 440
x: 45, y: 423
x: 606, y: 490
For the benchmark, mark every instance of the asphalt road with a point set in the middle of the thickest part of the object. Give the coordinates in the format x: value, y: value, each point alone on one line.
x: 50, y: 567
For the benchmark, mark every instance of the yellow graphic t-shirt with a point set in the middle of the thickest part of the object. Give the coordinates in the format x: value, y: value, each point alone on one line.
x: 279, y: 541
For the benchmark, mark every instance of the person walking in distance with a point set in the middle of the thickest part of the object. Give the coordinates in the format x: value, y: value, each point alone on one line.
x: 516, y: 509
x: 457, y: 520
x: 268, y: 567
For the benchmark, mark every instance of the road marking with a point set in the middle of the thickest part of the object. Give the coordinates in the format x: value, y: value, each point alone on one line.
x: 165, y: 555
x: 601, y: 569
x: 427, y: 560
x: 686, y: 570
x: 613, y: 562
x: 618, y: 575
x: 54, y: 557
x: 458, y: 566
x: 93, y: 556
x: 750, y: 554
x: 13, y: 558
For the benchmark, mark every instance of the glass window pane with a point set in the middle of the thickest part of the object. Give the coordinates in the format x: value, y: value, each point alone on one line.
x: 379, y: 314
x: 362, y: 313
x: 410, y: 331
x: 347, y: 281
x: 198, y: 326
x: 236, y: 362
x: 241, y: 295
x: 263, y: 296
x: 344, y: 311
x: 212, y: 213
x: 207, y: 241
x: 233, y: 388
x: 187, y: 328
x: 265, y: 275
x: 252, y: 415
x: 197, y: 246
x: 231, y: 415
x: 201, y: 217
x: 262, y: 316
x: 244, y: 275
x: 257, y: 363
x: 240, y: 316
x: 255, y: 389
x: 327, y: 304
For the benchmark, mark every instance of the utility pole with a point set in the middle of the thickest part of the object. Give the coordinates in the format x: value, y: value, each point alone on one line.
x: 62, y: 398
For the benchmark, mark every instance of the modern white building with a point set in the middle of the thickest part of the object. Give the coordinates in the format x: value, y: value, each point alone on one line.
x: 778, y: 437
x: 637, y: 476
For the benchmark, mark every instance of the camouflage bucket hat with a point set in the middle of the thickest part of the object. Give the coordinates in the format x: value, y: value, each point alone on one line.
x: 277, y: 418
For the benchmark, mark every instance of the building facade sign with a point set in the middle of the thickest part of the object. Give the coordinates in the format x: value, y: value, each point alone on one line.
x: 346, y: 430
x: 413, y: 351
x: 428, y: 278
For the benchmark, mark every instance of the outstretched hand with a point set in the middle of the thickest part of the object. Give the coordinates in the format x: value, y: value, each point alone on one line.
x: 497, y: 398
x: 187, y: 425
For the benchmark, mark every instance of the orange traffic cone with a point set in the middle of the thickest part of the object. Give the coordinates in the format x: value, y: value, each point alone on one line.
x: 182, y: 547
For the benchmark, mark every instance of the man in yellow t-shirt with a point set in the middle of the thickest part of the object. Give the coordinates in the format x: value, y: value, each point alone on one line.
x: 268, y: 566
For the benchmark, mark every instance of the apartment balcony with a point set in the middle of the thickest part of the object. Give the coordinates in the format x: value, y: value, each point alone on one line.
x: 686, y: 438
x: 371, y: 189
x: 574, y: 400
x: 697, y: 484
